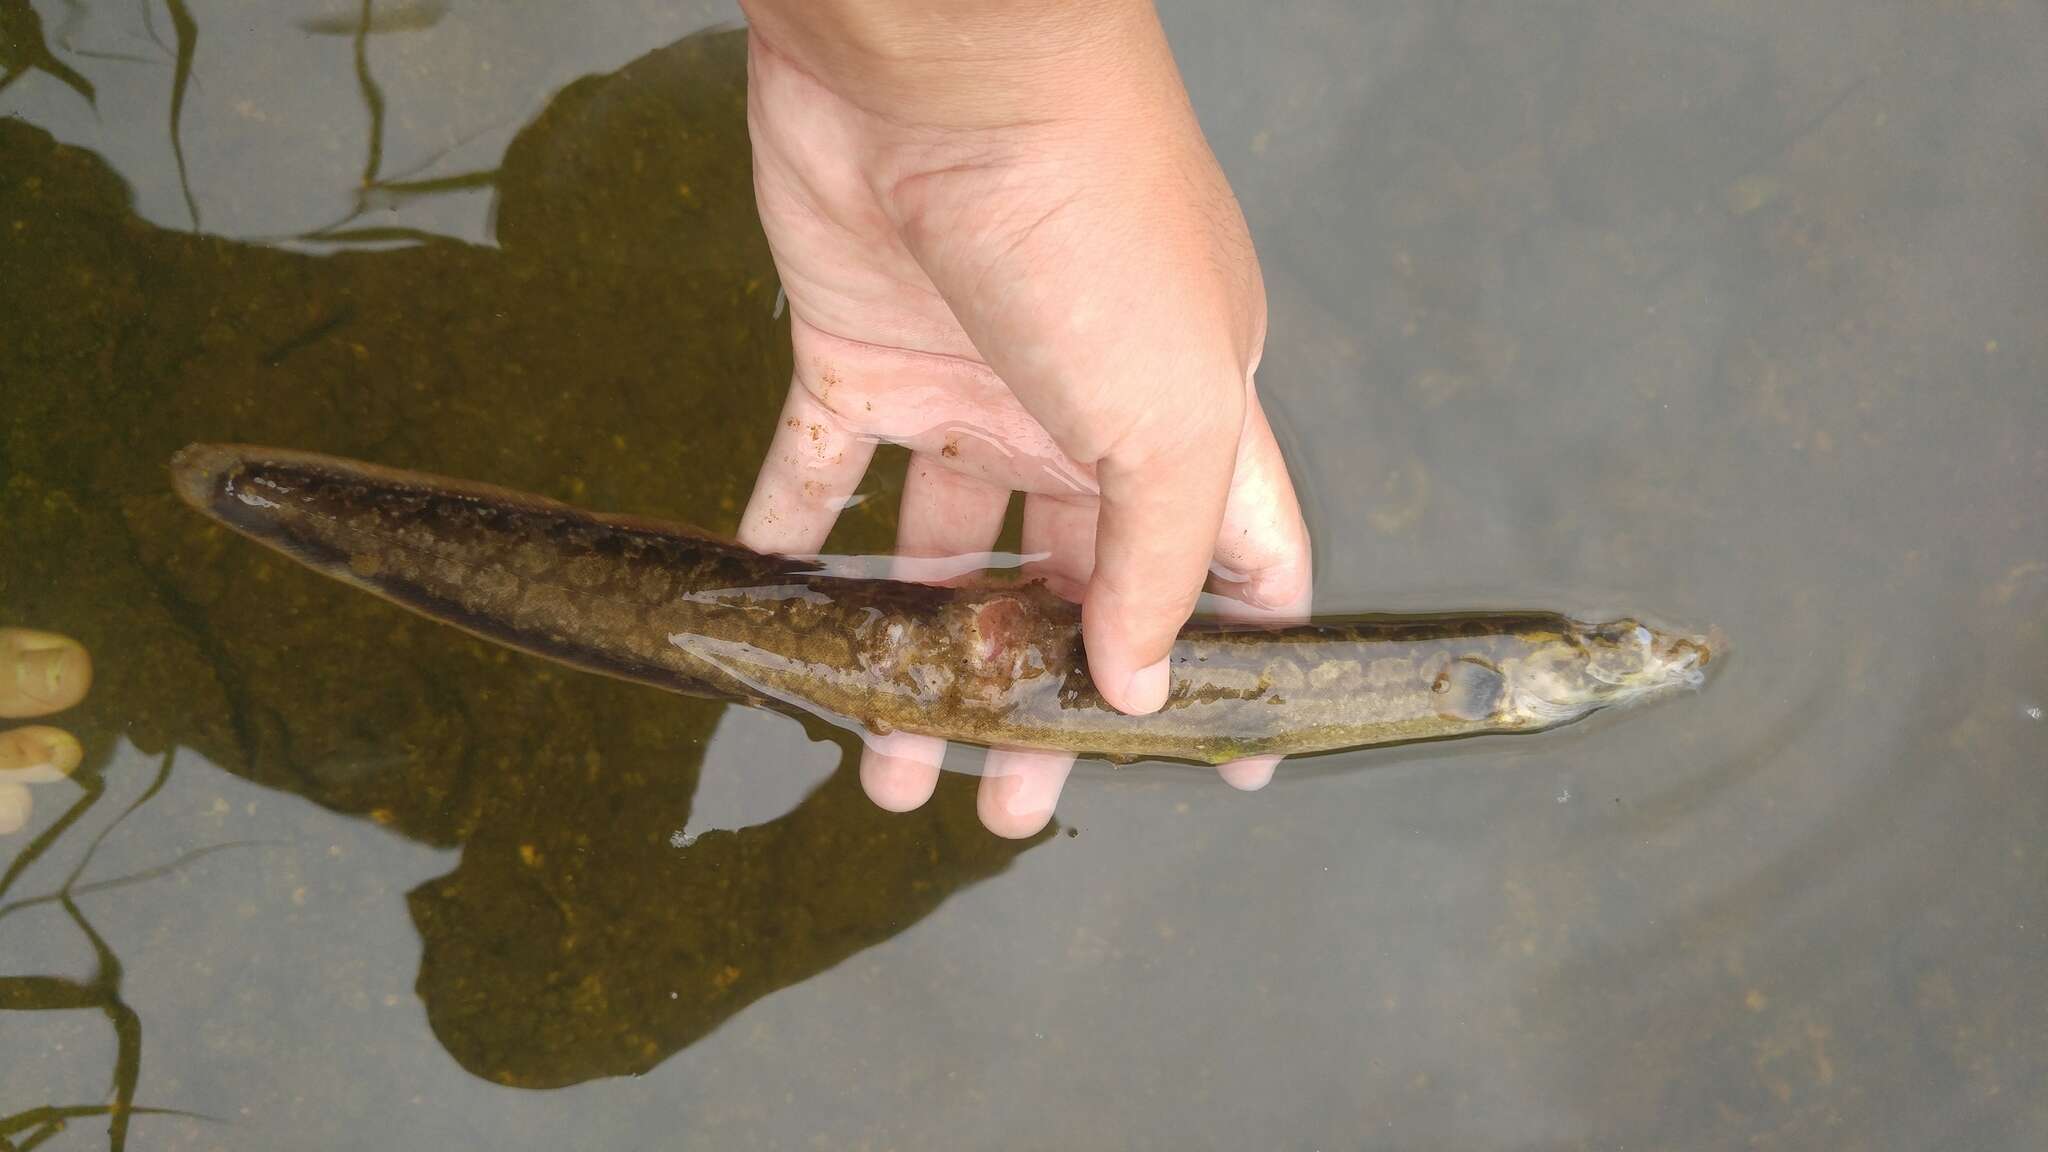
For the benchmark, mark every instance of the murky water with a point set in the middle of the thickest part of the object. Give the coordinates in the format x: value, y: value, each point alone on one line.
x: 1735, y: 315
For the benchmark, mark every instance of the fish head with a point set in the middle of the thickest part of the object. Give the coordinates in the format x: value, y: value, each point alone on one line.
x: 1597, y: 665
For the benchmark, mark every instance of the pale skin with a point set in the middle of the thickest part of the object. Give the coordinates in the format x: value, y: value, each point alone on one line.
x: 40, y: 673
x: 1007, y: 246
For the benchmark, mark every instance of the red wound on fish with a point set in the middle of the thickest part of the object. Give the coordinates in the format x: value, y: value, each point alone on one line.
x: 997, y: 636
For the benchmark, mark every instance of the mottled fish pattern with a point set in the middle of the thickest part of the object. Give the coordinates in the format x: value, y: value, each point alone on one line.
x: 999, y: 664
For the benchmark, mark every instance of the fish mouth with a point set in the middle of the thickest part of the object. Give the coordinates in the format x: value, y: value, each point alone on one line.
x: 1687, y: 657
x: 1701, y: 648
x: 1681, y: 661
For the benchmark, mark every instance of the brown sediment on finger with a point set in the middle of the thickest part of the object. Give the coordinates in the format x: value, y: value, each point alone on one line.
x: 41, y: 673
x: 665, y: 605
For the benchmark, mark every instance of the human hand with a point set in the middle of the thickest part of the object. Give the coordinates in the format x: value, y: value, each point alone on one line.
x: 40, y: 673
x: 1006, y: 245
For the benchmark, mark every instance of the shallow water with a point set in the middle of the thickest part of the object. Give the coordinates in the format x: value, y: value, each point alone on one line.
x: 1735, y: 317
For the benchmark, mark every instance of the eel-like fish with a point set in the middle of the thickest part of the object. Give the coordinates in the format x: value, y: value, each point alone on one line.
x: 996, y: 665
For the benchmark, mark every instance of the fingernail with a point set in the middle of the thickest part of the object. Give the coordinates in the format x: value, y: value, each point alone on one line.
x: 897, y: 784
x: 47, y: 677
x: 1018, y: 806
x: 1146, y: 690
x: 1279, y: 592
x: 1251, y: 774
x: 41, y: 672
x: 38, y: 754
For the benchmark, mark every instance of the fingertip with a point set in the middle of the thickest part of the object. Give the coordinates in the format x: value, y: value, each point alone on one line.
x: 41, y: 673
x: 1283, y: 591
x: 1156, y: 533
x: 38, y: 754
x: 1145, y: 691
x: 1249, y: 774
x: 1131, y: 687
x: 1019, y: 791
x: 1002, y: 814
x: 1135, y: 693
x: 1264, y: 536
x: 1276, y: 598
x: 900, y: 772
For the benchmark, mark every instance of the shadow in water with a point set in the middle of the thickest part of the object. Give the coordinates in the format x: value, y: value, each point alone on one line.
x: 24, y: 49
x: 618, y: 349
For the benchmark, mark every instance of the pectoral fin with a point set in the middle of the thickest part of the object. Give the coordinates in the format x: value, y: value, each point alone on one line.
x: 1468, y: 689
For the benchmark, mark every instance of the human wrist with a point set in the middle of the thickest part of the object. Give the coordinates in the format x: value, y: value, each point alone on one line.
x: 968, y: 64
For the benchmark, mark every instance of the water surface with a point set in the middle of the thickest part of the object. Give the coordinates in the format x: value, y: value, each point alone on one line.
x: 1737, y: 316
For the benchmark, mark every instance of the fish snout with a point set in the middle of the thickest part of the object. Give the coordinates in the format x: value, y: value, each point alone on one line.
x: 1686, y: 657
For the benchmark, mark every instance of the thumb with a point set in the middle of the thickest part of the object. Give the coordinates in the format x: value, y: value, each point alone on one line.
x: 1162, y: 501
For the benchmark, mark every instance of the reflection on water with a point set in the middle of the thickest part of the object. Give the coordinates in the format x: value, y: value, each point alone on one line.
x: 101, y: 993
x: 577, y: 938
x: 23, y: 46
x: 1732, y: 314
